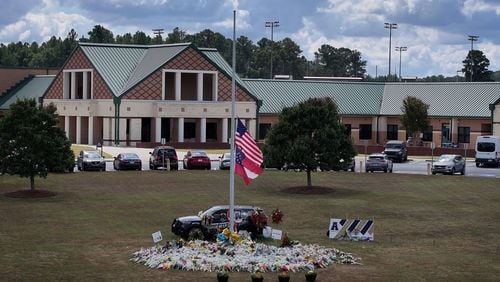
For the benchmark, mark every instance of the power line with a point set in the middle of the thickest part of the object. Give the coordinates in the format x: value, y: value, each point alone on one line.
x: 472, y: 38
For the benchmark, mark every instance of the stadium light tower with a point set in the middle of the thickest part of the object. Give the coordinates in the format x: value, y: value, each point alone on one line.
x: 272, y: 25
x: 390, y: 26
x: 400, y: 49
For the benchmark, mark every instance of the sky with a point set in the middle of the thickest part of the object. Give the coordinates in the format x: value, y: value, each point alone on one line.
x: 435, y: 32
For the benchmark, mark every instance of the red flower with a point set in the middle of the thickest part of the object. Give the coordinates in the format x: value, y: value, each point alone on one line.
x: 277, y: 216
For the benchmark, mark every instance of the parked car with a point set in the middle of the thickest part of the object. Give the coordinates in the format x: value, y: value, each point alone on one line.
x: 196, y: 159
x: 449, y: 164
x: 349, y: 165
x: 378, y: 162
x: 127, y: 161
x: 225, y: 161
x: 345, y: 166
x: 488, y: 151
x: 90, y: 160
x: 163, y: 156
x: 396, y: 150
x: 208, y: 223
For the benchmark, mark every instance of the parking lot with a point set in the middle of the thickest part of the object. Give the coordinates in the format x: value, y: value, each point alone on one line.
x: 414, y: 165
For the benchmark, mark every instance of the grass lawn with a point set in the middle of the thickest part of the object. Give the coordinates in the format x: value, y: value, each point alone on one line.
x: 426, y: 228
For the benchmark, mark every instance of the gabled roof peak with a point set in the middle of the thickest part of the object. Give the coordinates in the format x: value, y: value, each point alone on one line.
x: 132, y: 45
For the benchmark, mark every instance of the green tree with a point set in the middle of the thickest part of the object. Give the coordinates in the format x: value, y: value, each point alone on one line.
x: 176, y: 36
x: 124, y: 39
x: 244, y: 55
x: 414, y: 118
x: 287, y: 59
x: 309, y: 135
x: 31, y: 142
x: 343, y: 62
x: 141, y: 38
x: 476, y: 66
x: 100, y: 34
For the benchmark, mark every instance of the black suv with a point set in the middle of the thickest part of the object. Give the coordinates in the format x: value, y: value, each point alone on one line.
x: 163, y: 156
x: 396, y: 150
x: 208, y: 223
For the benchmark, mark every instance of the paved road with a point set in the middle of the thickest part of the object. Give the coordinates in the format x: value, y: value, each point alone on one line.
x: 412, y: 166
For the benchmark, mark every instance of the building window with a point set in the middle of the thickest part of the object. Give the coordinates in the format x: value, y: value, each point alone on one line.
x: 347, y: 129
x: 77, y: 85
x: 427, y: 134
x: 392, y: 132
x: 263, y: 129
x: 189, y: 85
x: 365, y: 131
x: 463, y: 134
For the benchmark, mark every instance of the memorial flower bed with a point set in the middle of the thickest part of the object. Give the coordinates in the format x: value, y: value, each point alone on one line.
x: 241, y: 256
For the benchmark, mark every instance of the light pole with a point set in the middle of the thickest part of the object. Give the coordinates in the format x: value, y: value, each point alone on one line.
x: 272, y: 25
x: 472, y: 38
x: 457, y: 73
x: 400, y: 49
x: 390, y: 26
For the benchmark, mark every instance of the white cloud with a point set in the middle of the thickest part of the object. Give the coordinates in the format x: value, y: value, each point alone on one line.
x: 470, y: 7
x: 241, y: 21
x: 42, y: 26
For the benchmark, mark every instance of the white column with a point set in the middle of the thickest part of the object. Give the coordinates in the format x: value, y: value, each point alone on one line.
x: 180, y: 136
x: 163, y: 94
x: 85, y: 82
x: 454, y: 130
x: 199, y: 84
x: 73, y: 85
x: 177, y: 86
x: 214, y: 87
x: 91, y: 131
x: 203, y: 130
x: 224, y: 130
x: 123, y: 131
x: 66, y: 77
x: 158, y: 129
x: 107, y: 129
x: 135, y: 130
x: 78, y: 130
x: 251, y: 127
x: 66, y: 125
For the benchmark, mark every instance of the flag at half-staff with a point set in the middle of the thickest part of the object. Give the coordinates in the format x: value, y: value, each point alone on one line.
x: 248, y: 158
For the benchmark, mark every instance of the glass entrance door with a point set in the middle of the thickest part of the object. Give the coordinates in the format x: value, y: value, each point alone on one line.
x: 445, y: 133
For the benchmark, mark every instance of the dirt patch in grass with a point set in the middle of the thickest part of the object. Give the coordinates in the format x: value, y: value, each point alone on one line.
x: 312, y: 190
x: 27, y: 194
x: 320, y: 190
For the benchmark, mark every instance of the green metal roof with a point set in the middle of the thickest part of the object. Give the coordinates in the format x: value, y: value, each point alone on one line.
x: 352, y: 98
x: 214, y: 56
x: 123, y: 66
x: 33, y: 89
x: 445, y: 99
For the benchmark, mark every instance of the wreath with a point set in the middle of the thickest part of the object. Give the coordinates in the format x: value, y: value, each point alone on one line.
x: 277, y: 216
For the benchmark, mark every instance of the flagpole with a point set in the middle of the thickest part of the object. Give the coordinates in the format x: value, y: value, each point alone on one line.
x: 233, y: 129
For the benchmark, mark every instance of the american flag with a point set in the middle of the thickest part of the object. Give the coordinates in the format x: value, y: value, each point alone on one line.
x: 248, y: 155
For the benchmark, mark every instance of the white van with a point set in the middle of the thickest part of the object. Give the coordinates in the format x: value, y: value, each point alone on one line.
x: 488, y: 151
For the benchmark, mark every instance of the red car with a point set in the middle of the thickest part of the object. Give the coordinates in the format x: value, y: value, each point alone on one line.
x: 196, y: 160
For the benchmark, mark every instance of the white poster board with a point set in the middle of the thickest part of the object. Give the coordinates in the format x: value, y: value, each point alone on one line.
x: 157, y: 237
x: 276, y: 234
x: 267, y: 232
